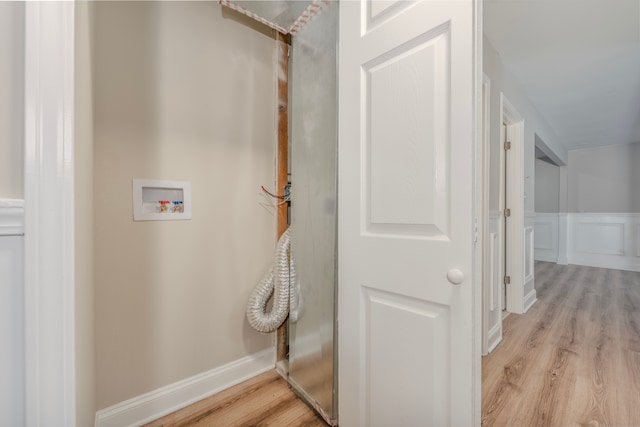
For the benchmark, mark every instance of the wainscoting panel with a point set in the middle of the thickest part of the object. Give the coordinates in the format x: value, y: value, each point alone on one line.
x: 604, y: 240
x: 492, y: 329
x: 598, y: 238
x: 528, y: 254
x: 528, y: 241
x: 546, y: 241
x: 12, y: 372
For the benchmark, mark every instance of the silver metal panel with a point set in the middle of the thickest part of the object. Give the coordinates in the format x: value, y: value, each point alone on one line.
x: 313, y: 111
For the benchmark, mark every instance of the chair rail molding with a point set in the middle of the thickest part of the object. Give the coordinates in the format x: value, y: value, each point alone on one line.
x: 49, y: 252
x: 11, y: 217
x: 607, y: 240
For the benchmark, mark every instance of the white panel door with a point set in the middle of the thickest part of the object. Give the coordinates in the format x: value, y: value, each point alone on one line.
x: 406, y: 213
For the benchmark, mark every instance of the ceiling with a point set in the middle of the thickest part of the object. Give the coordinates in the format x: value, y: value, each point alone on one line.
x: 577, y: 60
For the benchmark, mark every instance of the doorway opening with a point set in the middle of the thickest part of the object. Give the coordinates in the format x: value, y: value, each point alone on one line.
x: 549, y: 174
x: 509, y: 238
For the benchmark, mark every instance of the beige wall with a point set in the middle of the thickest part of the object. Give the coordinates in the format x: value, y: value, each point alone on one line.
x: 547, y: 187
x: 605, y: 179
x: 83, y: 176
x: 11, y: 99
x: 181, y: 92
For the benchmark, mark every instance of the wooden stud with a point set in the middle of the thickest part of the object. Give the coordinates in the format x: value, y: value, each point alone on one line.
x: 283, y: 45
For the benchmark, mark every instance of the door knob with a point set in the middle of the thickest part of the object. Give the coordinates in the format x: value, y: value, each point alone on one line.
x: 455, y: 276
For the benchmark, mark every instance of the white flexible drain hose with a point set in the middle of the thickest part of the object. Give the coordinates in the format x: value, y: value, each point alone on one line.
x: 277, y: 283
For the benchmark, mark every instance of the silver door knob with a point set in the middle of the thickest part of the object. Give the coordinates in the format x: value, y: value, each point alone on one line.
x: 455, y: 276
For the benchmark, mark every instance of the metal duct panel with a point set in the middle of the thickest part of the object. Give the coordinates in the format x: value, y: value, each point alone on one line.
x: 314, y: 146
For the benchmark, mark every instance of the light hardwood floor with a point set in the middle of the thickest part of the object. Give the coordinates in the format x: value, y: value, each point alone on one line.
x: 574, y: 358
x: 262, y: 401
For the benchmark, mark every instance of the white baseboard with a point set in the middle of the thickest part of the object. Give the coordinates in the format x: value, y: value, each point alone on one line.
x: 157, y: 403
x: 529, y: 300
x: 494, y: 336
x: 604, y: 262
x: 546, y: 258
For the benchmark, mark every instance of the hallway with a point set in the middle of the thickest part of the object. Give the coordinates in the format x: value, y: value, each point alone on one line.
x: 574, y: 358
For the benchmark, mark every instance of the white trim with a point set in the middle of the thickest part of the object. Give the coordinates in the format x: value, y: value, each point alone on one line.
x: 528, y: 262
x: 481, y: 191
x: 49, y: 235
x: 157, y: 403
x: 548, y: 151
x: 530, y: 299
x: 515, y: 224
x: 492, y: 325
x: 489, y: 239
x: 11, y: 217
x: 494, y: 337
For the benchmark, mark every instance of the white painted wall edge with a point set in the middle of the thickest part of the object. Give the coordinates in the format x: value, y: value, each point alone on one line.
x: 49, y: 281
x: 157, y: 403
x: 11, y: 217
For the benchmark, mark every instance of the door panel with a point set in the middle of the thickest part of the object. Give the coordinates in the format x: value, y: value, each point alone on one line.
x: 408, y: 140
x: 406, y: 213
x: 421, y: 398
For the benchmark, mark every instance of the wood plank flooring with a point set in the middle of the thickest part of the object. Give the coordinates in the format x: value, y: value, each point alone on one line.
x: 263, y: 401
x: 574, y: 358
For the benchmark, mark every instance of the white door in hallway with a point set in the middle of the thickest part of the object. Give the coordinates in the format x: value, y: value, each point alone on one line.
x: 406, y: 158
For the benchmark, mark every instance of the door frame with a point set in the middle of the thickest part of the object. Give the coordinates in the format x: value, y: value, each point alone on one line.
x: 480, y: 214
x: 49, y: 282
x: 487, y: 256
x: 515, y: 225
